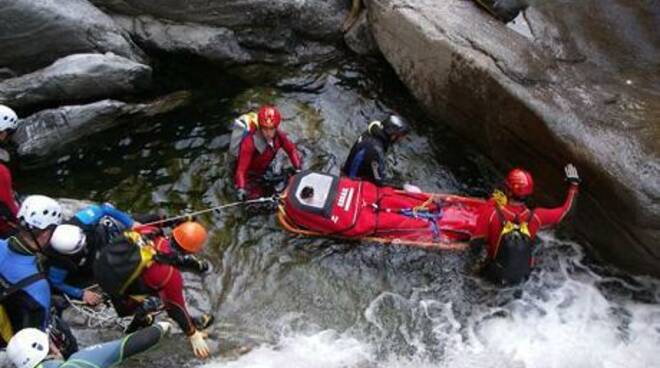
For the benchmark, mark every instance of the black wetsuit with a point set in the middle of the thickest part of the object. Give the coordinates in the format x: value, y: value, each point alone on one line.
x: 111, y: 353
x: 366, y: 160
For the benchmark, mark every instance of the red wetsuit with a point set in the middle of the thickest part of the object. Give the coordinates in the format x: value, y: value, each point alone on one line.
x: 255, y: 156
x: 489, y: 225
x: 165, y: 281
x: 6, y: 199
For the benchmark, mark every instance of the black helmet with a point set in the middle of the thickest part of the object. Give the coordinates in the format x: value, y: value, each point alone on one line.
x: 395, y: 126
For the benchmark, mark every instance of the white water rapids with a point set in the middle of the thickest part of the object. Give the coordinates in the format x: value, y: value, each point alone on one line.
x: 567, y: 315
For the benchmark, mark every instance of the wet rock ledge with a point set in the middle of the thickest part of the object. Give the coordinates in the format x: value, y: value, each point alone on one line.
x: 534, y: 101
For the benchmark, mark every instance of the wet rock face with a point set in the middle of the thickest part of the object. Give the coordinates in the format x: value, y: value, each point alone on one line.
x: 36, y: 33
x: 75, y: 78
x: 523, y: 105
x: 212, y: 43
x: 232, y: 32
x: 48, y: 130
x: 620, y: 36
x: 316, y: 19
x: 359, y: 38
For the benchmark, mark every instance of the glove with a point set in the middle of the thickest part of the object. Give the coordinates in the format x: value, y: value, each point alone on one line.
x: 572, y: 174
x: 241, y: 194
x: 199, y: 346
x: 204, y: 266
x: 190, y: 262
x: 165, y: 326
x: 150, y: 304
x: 411, y: 188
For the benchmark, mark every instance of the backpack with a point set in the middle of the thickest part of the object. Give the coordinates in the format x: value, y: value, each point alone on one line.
x: 240, y: 128
x: 119, y: 264
x: 513, y: 257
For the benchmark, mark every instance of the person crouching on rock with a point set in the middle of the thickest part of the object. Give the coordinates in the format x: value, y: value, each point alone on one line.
x: 8, y: 205
x: 142, y: 269
x: 75, y: 244
x: 509, y: 227
x: 25, y: 299
x: 257, y: 151
x: 31, y: 348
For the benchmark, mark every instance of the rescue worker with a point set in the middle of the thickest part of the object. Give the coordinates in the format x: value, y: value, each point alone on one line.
x: 366, y: 160
x: 25, y: 292
x: 76, y: 243
x: 258, y: 150
x: 8, y: 205
x: 509, y: 227
x: 141, y: 265
x: 32, y: 348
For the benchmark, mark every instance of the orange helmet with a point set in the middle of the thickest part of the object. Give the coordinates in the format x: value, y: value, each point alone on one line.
x: 190, y: 236
x: 269, y: 117
x: 520, y: 183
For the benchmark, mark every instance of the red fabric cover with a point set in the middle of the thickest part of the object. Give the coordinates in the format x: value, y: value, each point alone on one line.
x: 375, y: 212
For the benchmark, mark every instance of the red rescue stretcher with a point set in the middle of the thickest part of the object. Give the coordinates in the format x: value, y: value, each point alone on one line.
x: 353, y: 209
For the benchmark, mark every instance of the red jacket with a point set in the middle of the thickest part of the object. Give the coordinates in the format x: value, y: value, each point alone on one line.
x: 255, y: 156
x: 489, y: 225
x: 6, y: 197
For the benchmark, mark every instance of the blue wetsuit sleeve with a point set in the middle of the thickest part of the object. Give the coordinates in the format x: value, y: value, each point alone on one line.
x: 56, y: 276
x: 91, y: 215
x: 4, y: 250
x: 356, y: 164
x: 118, y: 215
x: 114, y: 352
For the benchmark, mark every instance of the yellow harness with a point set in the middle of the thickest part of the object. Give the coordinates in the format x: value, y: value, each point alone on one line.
x: 6, y: 331
x: 509, y: 226
x: 147, y: 253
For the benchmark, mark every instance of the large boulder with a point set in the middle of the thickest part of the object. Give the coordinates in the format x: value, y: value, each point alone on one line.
x: 217, y: 44
x: 76, y: 78
x: 317, y: 19
x: 359, y: 39
x: 260, y: 30
x: 36, y: 33
x: 523, y: 105
x: 46, y: 131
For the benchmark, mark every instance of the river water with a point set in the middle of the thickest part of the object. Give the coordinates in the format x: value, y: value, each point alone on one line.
x: 301, y: 302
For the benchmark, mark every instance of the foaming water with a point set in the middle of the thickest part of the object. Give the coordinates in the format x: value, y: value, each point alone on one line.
x: 325, y: 349
x: 568, y: 314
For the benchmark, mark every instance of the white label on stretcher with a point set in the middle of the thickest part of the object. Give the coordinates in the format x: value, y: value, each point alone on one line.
x: 345, y: 198
x: 349, y: 200
x: 342, y: 197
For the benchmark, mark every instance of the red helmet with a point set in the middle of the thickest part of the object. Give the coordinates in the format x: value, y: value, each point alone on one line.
x: 269, y: 117
x: 520, y: 183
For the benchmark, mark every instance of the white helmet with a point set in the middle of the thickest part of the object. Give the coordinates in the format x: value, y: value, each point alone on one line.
x: 68, y: 239
x: 28, y: 348
x: 40, y: 212
x: 8, y: 118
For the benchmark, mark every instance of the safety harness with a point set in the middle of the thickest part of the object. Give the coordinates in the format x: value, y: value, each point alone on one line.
x: 512, y: 258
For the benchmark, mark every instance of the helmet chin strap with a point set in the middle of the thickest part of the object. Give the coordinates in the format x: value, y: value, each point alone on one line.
x: 34, y: 239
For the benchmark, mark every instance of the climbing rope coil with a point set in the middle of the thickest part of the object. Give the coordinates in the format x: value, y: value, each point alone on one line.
x: 100, y: 316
